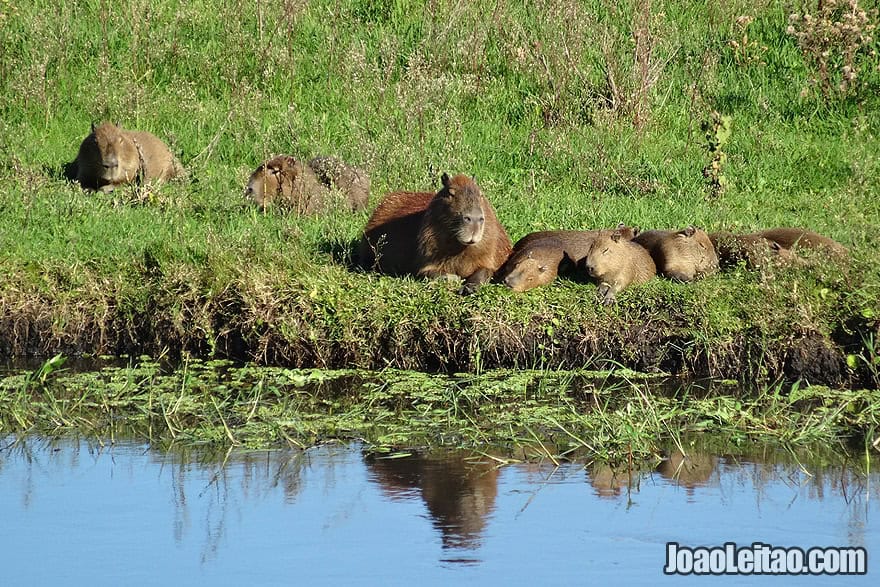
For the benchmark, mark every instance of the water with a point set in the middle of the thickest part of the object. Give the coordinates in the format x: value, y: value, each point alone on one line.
x: 78, y: 513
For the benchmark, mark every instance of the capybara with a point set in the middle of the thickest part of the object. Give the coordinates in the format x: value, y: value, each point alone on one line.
x: 684, y: 255
x: 793, y: 238
x: 576, y: 243
x: 288, y: 183
x: 534, y: 264
x: 616, y: 262
x: 452, y: 232
x: 754, y: 250
x: 354, y: 183
x: 110, y: 156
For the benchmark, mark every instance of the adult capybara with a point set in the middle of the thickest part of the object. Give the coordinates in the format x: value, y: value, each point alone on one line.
x: 305, y: 188
x: 616, y: 262
x: 533, y: 264
x: 111, y: 156
x: 452, y: 232
x: 684, y: 255
x: 794, y: 238
x: 754, y: 250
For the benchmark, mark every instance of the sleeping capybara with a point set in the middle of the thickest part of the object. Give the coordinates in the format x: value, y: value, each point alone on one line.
x: 616, y: 262
x: 452, y: 232
x: 793, y: 238
x: 286, y: 182
x: 111, y: 156
x: 534, y: 264
x: 754, y: 250
x: 684, y: 255
x: 576, y: 243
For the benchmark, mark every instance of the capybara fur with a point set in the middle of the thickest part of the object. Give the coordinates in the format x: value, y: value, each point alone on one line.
x: 616, y: 262
x: 533, y: 264
x: 794, y: 238
x: 354, y: 183
x: 111, y: 156
x: 452, y: 232
x: 755, y: 251
x: 684, y: 255
x: 576, y: 243
x: 286, y: 182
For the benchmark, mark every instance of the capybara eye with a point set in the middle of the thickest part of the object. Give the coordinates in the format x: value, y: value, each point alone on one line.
x: 542, y: 268
x: 468, y: 219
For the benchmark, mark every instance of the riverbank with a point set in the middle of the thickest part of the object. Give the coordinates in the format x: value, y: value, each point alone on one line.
x: 558, y: 125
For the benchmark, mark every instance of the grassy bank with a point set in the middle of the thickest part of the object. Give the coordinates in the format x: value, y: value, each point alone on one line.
x: 569, y: 114
x: 610, y: 416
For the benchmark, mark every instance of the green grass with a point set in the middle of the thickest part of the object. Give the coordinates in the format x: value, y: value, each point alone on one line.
x: 605, y: 416
x: 516, y: 94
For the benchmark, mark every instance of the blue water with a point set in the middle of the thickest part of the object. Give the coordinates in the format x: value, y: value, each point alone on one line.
x: 77, y: 513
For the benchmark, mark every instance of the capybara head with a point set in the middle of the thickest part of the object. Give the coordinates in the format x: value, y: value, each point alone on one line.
x: 689, y: 254
x: 608, y: 254
x: 271, y: 179
x: 459, y: 207
x: 534, y: 265
x: 110, y: 155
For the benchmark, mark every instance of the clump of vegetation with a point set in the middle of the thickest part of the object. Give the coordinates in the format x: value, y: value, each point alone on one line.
x: 717, y: 132
x: 837, y: 41
x: 746, y: 51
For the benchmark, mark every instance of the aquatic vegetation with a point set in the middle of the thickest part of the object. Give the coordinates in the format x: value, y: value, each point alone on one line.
x: 609, y: 416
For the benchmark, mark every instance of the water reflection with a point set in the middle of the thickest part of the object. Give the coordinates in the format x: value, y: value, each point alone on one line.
x: 458, y: 492
x: 335, y: 515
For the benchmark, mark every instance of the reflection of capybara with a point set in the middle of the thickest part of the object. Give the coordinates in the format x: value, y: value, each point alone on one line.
x: 110, y: 156
x: 754, y: 250
x: 684, y: 255
x: 452, y: 232
x: 693, y: 470
x: 616, y: 262
x: 460, y: 494
x: 288, y: 183
x: 793, y: 238
x: 608, y: 481
x: 535, y: 264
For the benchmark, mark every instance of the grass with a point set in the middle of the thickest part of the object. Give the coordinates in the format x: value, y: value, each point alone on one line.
x: 580, y: 125
x: 603, y: 416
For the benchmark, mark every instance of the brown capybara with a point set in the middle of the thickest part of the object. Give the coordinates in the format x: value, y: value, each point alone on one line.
x: 576, y: 243
x: 111, y: 156
x: 452, y: 232
x: 684, y: 255
x: 794, y: 238
x: 288, y: 183
x: 534, y: 264
x: 755, y: 251
x: 354, y: 183
x: 616, y: 262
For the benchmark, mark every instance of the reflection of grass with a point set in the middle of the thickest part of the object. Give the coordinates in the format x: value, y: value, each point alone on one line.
x: 531, y: 413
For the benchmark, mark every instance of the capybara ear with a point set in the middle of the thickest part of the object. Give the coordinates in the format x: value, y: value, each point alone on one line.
x: 615, y: 236
x: 636, y: 230
x: 444, y: 179
x: 93, y: 126
x: 689, y: 231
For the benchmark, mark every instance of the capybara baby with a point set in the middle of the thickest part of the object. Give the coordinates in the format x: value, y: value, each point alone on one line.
x: 288, y: 183
x: 576, y: 243
x: 793, y: 238
x: 616, y: 262
x: 684, y: 255
x: 754, y: 250
x: 452, y: 232
x: 110, y: 156
x: 354, y: 183
x: 534, y: 264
